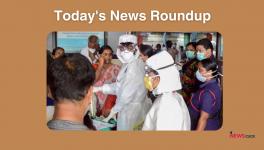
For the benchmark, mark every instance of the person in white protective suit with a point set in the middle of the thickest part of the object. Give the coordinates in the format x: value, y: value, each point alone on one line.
x: 131, y: 104
x: 169, y: 111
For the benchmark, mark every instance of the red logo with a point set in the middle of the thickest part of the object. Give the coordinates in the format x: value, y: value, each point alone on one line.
x: 240, y: 135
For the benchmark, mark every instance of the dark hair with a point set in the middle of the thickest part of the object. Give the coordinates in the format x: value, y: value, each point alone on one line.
x: 155, y: 72
x: 210, y: 64
x: 158, y: 46
x: 168, y: 44
x: 70, y: 77
x: 146, y: 50
x: 49, y: 59
x: 192, y: 44
x: 56, y: 49
x: 104, y: 48
x: 91, y: 37
x: 49, y: 62
x: 88, y: 122
x: 206, y: 43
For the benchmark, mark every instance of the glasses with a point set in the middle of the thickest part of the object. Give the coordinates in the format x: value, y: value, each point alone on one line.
x: 128, y: 47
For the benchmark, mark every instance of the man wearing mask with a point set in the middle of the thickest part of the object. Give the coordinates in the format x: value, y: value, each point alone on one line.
x: 90, y: 52
x: 204, y: 49
x: 70, y: 79
x: 131, y: 105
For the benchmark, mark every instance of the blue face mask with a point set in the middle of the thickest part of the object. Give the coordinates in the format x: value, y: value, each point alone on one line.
x: 199, y: 76
x: 190, y: 54
x: 200, y: 56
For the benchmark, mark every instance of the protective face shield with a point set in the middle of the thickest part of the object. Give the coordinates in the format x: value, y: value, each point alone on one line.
x: 190, y: 54
x: 127, y: 50
x: 163, y: 63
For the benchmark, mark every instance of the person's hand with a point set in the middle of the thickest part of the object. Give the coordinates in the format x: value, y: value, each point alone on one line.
x: 106, y: 112
x: 101, y: 61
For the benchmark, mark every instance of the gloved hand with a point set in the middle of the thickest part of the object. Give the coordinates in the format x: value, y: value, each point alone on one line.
x: 97, y: 89
x: 110, y: 116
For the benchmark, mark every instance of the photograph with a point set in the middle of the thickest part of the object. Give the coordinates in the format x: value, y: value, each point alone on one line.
x: 134, y: 81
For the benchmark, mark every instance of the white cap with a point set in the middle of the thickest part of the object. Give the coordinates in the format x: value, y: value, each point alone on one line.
x: 160, y: 60
x: 169, y: 75
x: 127, y: 38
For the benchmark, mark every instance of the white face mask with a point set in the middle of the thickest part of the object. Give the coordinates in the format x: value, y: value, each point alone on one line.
x: 127, y: 56
x: 92, y: 50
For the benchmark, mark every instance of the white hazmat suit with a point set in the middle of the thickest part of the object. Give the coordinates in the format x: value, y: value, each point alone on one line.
x: 169, y: 111
x: 131, y: 104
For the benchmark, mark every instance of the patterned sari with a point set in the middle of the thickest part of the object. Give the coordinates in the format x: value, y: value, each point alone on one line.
x: 107, y: 76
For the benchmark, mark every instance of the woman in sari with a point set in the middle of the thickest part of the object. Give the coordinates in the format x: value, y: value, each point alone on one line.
x: 106, y: 73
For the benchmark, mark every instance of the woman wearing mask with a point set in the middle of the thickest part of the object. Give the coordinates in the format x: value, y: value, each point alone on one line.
x: 206, y: 104
x: 189, y: 82
x: 106, y: 73
x: 169, y: 111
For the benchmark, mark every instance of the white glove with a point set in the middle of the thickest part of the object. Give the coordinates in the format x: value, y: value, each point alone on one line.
x: 110, y: 116
x: 97, y: 89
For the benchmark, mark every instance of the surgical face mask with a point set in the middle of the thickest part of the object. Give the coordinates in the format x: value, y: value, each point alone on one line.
x: 148, y: 82
x: 127, y: 55
x: 200, y: 56
x: 201, y: 78
x: 92, y: 50
x: 190, y: 54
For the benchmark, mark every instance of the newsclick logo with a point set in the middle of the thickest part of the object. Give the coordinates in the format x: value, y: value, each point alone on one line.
x: 233, y: 135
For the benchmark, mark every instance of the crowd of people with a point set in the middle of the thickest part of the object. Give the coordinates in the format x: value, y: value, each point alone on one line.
x: 145, y: 92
